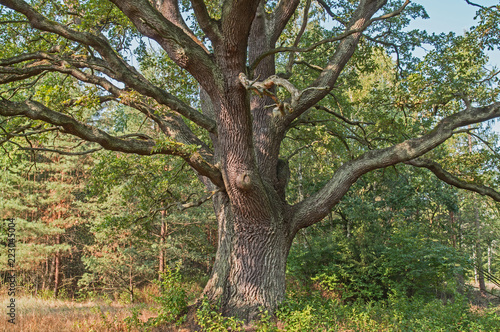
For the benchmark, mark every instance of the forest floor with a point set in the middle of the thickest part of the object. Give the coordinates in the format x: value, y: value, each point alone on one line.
x: 35, y: 314
x: 492, y: 298
x: 51, y: 315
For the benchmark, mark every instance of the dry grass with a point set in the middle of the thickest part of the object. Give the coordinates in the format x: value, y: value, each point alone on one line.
x: 35, y: 314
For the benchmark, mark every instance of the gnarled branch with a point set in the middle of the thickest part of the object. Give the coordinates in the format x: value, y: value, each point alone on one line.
x: 263, y: 88
x: 207, y: 24
x: 183, y: 48
x: 37, y: 111
x: 451, y: 179
x: 360, y: 20
x: 120, y: 70
x: 317, y: 206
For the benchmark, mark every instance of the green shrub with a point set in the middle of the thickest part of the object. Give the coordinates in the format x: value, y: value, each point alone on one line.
x: 172, y: 300
x: 397, y: 313
x: 211, y: 320
x: 420, y: 267
x: 408, y: 264
x: 299, y: 320
x: 46, y: 294
x: 265, y: 323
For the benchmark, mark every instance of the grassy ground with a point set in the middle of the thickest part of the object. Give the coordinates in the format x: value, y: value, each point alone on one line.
x: 36, y: 314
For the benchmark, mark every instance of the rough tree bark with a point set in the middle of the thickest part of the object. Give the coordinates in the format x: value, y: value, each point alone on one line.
x: 243, y: 116
x: 249, y: 269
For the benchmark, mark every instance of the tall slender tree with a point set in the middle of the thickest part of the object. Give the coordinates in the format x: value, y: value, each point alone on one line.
x: 40, y: 193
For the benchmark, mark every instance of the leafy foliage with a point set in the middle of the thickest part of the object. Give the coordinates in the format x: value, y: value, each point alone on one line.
x: 211, y: 320
x: 172, y: 299
x: 398, y: 242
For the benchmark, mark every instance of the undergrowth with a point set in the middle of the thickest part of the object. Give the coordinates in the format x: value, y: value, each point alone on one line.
x: 304, y: 310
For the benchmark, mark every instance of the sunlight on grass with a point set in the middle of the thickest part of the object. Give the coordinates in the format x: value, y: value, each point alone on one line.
x: 35, y: 314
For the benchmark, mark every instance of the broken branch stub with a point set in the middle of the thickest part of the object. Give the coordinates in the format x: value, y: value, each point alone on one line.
x: 263, y: 88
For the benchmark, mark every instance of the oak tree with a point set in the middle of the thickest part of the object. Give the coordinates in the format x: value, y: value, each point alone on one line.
x: 261, y: 71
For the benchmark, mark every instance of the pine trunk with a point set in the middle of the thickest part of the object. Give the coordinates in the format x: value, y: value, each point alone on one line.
x: 51, y: 272
x: 479, y: 253
x: 489, y: 261
x: 161, y: 256
x: 57, y: 267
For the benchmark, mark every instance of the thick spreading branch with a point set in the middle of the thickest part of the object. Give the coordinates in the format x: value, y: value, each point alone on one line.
x: 170, y: 124
x: 236, y: 21
x: 281, y: 15
x: 354, y: 29
x: 207, y: 24
x: 451, y: 179
x: 184, y: 49
x: 117, y: 67
x: 360, y: 20
x: 317, y: 206
x: 37, y: 111
x: 171, y: 11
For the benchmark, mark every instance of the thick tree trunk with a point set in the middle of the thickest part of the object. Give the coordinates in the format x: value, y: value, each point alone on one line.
x: 249, y: 269
x: 253, y: 237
